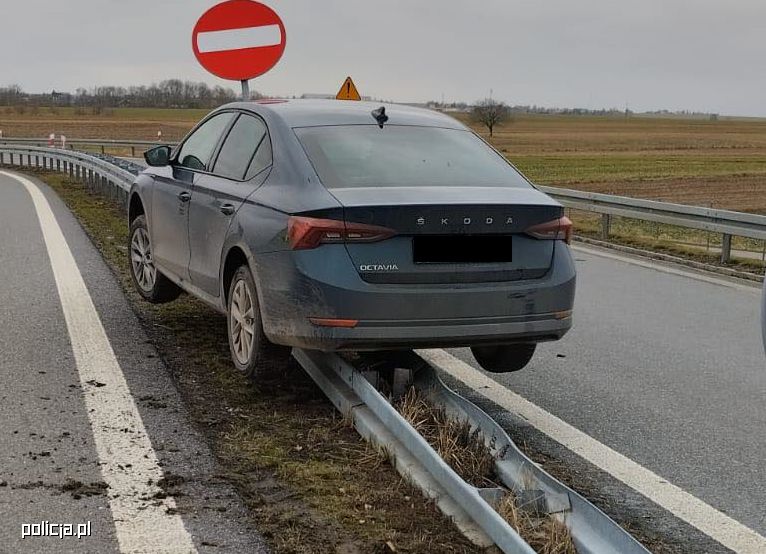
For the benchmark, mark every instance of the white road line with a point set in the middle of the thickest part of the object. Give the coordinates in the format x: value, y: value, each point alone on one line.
x: 666, y: 267
x: 717, y: 525
x: 128, y: 462
x: 238, y: 39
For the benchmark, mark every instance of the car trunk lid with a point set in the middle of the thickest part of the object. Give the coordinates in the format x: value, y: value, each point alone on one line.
x: 450, y: 234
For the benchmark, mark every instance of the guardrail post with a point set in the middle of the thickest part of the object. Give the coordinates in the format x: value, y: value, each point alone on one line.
x: 726, y: 249
x: 58, y: 164
x: 132, y: 151
x: 103, y: 149
x: 606, y: 224
x: 2, y: 158
x: 37, y: 161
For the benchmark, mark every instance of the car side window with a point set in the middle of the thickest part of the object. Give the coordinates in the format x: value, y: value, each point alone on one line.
x: 240, y: 148
x: 261, y: 160
x: 196, y: 152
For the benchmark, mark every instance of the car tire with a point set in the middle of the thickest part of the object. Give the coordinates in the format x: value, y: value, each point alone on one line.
x: 150, y: 283
x: 251, y: 351
x: 505, y: 358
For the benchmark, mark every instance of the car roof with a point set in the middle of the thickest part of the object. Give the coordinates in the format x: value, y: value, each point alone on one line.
x: 312, y: 113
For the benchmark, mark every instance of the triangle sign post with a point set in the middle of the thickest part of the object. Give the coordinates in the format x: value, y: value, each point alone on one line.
x: 348, y: 91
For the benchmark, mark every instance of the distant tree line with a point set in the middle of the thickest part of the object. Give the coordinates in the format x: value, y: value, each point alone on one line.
x: 172, y: 93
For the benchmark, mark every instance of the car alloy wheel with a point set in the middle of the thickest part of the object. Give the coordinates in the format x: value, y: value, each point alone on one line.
x: 242, y: 315
x: 141, y: 260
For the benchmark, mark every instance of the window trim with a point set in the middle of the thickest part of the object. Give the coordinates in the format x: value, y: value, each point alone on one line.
x: 219, y: 147
x: 216, y: 148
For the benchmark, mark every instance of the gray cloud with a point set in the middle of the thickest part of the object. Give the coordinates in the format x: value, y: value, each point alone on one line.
x: 678, y: 54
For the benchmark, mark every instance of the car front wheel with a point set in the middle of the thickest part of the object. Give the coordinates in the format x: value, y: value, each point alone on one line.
x: 251, y: 351
x: 150, y: 283
x: 504, y: 358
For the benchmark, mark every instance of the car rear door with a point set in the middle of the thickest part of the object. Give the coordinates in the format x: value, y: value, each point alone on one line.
x: 238, y: 170
x: 173, y: 191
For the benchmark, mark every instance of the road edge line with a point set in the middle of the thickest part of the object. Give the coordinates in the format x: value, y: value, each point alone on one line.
x: 127, y: 460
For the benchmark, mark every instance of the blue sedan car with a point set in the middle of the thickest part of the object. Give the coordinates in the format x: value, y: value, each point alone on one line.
x: 352, y: 226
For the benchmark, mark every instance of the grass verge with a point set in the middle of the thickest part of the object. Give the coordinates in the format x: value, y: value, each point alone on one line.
x: 312, y: 485
x: 692, y: 244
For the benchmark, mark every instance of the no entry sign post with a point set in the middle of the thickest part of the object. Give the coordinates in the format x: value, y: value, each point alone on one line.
x: 239, y: 40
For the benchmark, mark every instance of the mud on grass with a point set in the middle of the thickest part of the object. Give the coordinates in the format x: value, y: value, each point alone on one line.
x: 312, y: 485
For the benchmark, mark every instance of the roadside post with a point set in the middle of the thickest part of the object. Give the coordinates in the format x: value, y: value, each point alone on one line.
x: 239, y: 40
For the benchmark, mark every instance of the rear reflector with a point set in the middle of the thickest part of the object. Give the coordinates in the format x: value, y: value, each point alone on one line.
x: 304, y: 233
x: 562, y: 315
x: 558, y: 229
x: 344, y: 323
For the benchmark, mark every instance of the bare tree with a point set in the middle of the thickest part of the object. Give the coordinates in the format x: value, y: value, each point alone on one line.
x: 490, y: 113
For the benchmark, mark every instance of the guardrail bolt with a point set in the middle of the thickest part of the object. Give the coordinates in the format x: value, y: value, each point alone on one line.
x: 726, y: 249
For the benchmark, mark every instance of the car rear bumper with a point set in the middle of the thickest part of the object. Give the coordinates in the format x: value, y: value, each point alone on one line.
x: 324, y: 284
x: 376, y: 335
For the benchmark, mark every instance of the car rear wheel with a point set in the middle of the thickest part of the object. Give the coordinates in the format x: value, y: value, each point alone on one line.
x: 150, y: 283
x: 504, y: 358
x: 251, y: 351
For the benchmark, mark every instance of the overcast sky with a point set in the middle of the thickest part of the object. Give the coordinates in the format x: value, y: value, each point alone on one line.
x: 706, y: 55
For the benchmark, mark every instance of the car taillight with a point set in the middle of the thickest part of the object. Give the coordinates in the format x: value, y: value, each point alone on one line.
x: 304, y: 233
x: 558, y: 229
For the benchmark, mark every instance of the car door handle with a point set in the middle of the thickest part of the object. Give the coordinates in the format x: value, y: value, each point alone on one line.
x: 227, y: 209
x: 184, y: 196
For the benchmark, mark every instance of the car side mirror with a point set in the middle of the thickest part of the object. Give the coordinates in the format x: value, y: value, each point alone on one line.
x: 159, y: 156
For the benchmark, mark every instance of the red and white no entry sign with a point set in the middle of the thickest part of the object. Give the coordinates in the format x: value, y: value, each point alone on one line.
x: 239, y: 39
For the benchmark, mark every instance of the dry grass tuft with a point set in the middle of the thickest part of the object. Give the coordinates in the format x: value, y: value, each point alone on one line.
x: 460, y: 446
x: 467, y: 452
x: 547, y: 535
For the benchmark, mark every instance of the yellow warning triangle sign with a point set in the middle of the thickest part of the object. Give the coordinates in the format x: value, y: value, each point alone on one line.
x: 348, y: 91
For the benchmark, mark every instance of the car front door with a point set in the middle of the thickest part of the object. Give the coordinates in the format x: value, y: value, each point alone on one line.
x: 239, y: 169
x: 172, y: 193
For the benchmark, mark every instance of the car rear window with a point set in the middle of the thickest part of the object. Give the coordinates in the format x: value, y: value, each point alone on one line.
x: 348, y: 156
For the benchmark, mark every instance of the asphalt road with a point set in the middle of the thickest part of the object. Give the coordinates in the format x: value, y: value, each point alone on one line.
x: 59, y: 459
x: 667, y: 368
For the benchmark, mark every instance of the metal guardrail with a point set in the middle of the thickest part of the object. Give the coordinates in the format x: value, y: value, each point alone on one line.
x: 97, y: 144
x: 99, y: 172
x: 725, y: 222
x: 355, y: 394
x: 376, y: 419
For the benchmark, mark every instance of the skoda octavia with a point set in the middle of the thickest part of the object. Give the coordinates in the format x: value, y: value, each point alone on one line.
x: 336, y: 225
